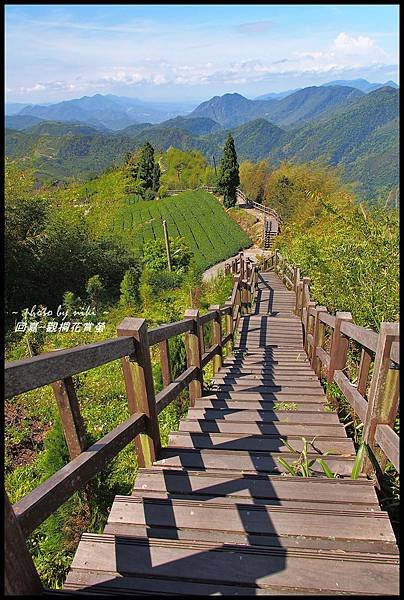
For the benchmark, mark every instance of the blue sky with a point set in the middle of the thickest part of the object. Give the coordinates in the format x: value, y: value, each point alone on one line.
x: 192, y: 52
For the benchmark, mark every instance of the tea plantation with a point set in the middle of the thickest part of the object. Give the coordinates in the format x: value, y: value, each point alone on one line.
x: 197, y: 216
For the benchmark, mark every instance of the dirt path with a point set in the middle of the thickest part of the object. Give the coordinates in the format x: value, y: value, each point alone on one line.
x: 249, y: 252
x: 213, y: 271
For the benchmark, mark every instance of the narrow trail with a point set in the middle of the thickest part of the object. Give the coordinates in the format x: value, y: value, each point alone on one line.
x: 251, y: 252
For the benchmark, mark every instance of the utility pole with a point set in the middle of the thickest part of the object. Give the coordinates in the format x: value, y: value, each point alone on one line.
x: 167, y: 245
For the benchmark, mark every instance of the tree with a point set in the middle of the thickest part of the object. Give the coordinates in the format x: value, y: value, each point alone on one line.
x: 94, y: 289
x: 229, y: 177
x: 142, y: 172
x: 129, y: 286
x: 156, y: 178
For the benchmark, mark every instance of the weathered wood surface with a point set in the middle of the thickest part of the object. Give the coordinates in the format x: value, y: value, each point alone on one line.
x: 214, y: 516
x: 34, y: 372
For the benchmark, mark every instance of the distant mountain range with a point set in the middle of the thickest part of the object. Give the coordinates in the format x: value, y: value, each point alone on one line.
x: 104, y: 112
x: 338, y: 125
x: 362, y: 84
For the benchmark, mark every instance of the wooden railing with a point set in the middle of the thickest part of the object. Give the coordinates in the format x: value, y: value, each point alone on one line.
x: 132, y: 347
x: 270, y: 212
x: 376, y: 404
x: 205, y: 188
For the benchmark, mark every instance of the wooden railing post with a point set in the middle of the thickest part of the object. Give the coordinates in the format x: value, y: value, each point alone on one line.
x: 384, y: 392
x: 70, y: 416
x: 276, y: 258
x: 138, y: 374
x: 242, y: 266
x: 363, y: 371
x: 296, y: 277
x: 20, y: 575
x: 299, y: 296
x: 306, y: 326
x: 217, y: 337
x: 194, y: 354
x: 229, y: 325
x: 165, y: 362
x: 244, y: 296
x: 318, y: 340
x: 339, y: 346
x: 305, y: 286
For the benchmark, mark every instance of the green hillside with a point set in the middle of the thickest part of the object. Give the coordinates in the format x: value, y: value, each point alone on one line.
x: 197, y: 216
x: 360, y: 135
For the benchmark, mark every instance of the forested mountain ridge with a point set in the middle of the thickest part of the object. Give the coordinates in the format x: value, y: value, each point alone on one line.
x: 233, y: 109
x: 361, y: 136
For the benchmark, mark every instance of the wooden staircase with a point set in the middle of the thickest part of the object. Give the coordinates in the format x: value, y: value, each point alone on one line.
x: 216, y: 514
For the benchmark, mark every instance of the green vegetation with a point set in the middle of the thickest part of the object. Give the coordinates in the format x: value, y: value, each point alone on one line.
x: 196, y: 216
x: 142, y: 173
x: 337, y: 126
x: 229, y: 177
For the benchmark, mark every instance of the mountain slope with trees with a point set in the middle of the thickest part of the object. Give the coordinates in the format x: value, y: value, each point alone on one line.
x: 361, y: 136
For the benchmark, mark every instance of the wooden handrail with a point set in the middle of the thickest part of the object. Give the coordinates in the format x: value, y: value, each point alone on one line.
x: 132, y: 346
x: 31, y: 373
x: 379, y: 412
x: 39, y: 504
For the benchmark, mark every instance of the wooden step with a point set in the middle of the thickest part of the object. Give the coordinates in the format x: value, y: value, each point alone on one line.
x: 306, y: 395
x: 248, y: 415
x: 259, y: 404
x: 300, y: 381
x: 268, y: 389
x: 254, y: 566
x: 262, y: 525
x: 259, y: 428
x: 259, y: 443
x: 358, y: 494
x: 245, y: 461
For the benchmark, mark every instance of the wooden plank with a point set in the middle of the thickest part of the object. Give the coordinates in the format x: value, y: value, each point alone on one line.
x: 139, y: 386
x: 165, y: 362
x: 269, y: 389
x: 384, y: 392
x: 323, y: 356
x: 264, y: 415
x: 70, y: 416
x: 193, y: 351
x: 300, y: 380
x: 105, y: 583
x: 34, y: 372
x: 217, y: 337
x: 257, y: 443
x: 246, y: 461
x: 258, y: 567
x: 211, y: 352
x: 164, y: 332
x: 363, y: 373
x: 294, y: 395
x: 389, y: 442
x: 20, y: 575
x: 36, y: 506
x: 280, y: 429
x: 207, y: 317
x: 169, y: 393
x: 339, y: 346
x: 355, y: 399
x: 327, y: 319
x: 262, y: 520
x: 366, y: 337
x: 356, y: 493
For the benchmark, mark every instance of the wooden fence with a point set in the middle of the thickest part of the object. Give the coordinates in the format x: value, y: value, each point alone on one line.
x: 132, y: 346
x: 270, y: 212
x: 375, y: 402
